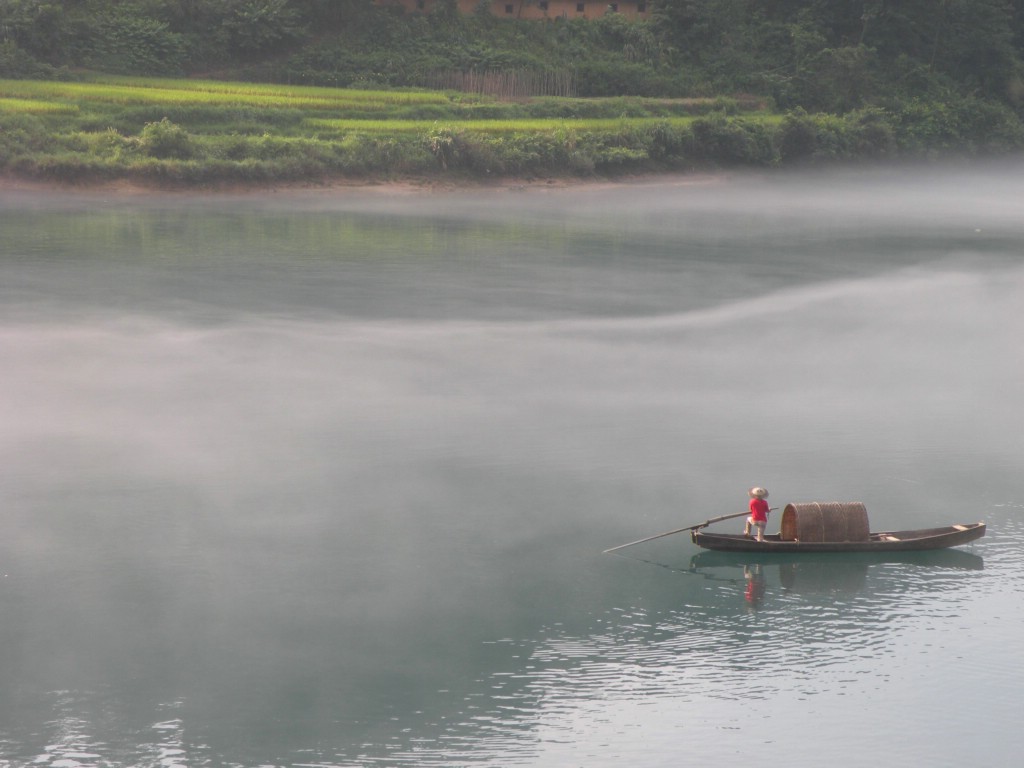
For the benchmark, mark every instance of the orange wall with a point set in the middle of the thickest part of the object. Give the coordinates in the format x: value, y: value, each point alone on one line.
x: 532, y: 9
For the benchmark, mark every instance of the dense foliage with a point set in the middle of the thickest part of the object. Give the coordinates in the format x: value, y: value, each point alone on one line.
x: 822, y: 55
x: 836, y: 79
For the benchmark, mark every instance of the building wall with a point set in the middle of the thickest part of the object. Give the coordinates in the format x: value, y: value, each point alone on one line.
x: 538, y: 9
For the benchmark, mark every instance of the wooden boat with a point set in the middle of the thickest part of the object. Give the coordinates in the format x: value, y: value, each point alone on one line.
x: 837, y: 527
x: 882, y: 541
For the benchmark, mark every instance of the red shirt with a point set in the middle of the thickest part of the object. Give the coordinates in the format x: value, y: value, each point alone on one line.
x: 759, y: 510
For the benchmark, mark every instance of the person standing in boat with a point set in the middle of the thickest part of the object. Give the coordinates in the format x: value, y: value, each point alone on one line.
x: 758, y: 512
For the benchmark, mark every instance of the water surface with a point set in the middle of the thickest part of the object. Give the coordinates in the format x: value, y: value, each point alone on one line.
x: 325, y: 480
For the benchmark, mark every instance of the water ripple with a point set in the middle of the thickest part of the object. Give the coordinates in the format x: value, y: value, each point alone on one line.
x: 71, y: 741
x: 840, y: 633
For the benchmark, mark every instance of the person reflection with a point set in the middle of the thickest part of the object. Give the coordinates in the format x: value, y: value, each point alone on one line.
x: 755, y: 584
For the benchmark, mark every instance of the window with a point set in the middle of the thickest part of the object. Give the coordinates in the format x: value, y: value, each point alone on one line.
x: 641, y: 7
x: 420, y: 4
x: 579, y: 7
x: 509, y: 9
x: 543, y: 5
x: 613, y: 7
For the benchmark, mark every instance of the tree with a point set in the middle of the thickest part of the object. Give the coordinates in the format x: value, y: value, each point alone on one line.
x: 255, y: 26
x: 973, y: 43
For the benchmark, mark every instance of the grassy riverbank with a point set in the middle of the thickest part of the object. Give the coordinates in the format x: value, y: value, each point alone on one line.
x: 203, y: 132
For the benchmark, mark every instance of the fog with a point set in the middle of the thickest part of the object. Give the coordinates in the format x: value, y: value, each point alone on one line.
x: 288, y: 469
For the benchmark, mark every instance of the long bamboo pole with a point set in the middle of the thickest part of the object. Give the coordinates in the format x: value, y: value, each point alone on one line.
x: 680, y: 530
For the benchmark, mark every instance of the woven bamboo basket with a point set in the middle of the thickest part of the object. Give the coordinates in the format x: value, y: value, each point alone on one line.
x: 825, y: 521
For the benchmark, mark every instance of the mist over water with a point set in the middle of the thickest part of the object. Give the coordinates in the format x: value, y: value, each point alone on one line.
x: 318, y: 479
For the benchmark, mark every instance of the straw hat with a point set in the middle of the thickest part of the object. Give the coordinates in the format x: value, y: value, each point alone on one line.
x: 758, y: 493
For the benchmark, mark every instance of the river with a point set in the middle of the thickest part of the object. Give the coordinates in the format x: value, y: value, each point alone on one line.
x: 313, y: 478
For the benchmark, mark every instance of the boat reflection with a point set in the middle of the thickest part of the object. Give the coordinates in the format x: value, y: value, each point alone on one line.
x: 938, y: 558
x: 809, y: 574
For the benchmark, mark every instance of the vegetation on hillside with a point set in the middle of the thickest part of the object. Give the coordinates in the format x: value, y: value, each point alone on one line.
x: 724, y: 82
x: 204, y: 131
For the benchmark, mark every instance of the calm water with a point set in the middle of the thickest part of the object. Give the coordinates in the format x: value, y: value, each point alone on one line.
x: 320, y: 480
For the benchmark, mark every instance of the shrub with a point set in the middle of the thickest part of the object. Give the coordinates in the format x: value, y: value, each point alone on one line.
x: 798, y: 137
x: 21, y: 133
x: 363, y: 154
x: 926, y: 127
x: 518, y: 154
x: 63, y: 167
x: 731, y: 141
x: 989, y: 127
x: 617, y: 77
x: 666, y: 141
x: 165, y: 140
x: 619, y: 158
x: 833, y: 138
x: 445, y: 144
x: 872, y: 133
x: 108, y: 144
x: 486, y: 157
x: 232, y: 147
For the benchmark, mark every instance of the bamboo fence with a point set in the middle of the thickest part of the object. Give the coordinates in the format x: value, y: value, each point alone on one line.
x: 507, y: 85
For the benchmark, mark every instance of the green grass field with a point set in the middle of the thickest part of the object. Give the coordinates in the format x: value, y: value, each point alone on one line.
x: 128, y: 90
x: 333, y: 108
x: 15, y: 105
x: 205, y: 132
